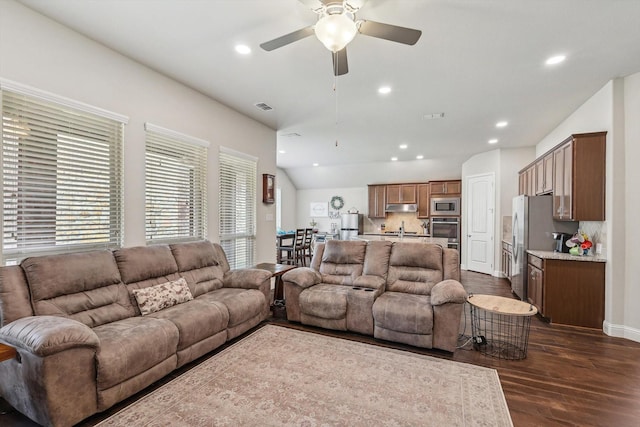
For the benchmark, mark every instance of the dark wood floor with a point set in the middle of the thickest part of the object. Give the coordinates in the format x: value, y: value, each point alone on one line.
x: 571, y: 376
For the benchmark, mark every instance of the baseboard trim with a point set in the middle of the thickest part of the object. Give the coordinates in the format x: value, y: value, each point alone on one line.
x: 621, y: 331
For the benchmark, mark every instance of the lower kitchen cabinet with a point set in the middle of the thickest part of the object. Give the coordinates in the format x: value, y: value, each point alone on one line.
x: 567, y: 292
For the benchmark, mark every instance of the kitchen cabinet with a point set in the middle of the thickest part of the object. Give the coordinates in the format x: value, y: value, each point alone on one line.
x: 445, y: 187
x: 579, y: 178
x: 401, y: 193
x: 377, y: 201
x: 567, y: 292
x: 507, y: 254
x: 544, y: 175
x: 534, y: 285
x: 423, y: 200
x: 526, y: 183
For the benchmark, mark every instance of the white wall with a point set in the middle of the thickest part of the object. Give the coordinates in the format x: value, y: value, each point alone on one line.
x: 353, y: 198
x: 38, y: 52
x: 289, y: 200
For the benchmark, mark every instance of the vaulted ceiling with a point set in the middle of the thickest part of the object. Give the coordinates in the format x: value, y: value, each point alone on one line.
x: 478, y: 62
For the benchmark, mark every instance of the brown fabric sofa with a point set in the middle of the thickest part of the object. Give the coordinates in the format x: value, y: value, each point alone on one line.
x: 402, y: 292
x: 81, y: 340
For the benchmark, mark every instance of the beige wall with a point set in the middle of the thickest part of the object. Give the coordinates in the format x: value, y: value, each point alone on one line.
x: 38, y: 52
x: 353, y: 198
x: 288, y: 208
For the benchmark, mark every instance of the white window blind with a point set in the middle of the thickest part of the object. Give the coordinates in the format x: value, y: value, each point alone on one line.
x: 175, y: 187
x: 61, y: 180
x: 238, y: 208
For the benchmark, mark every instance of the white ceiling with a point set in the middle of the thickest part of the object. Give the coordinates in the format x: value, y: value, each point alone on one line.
x: 478, y: 62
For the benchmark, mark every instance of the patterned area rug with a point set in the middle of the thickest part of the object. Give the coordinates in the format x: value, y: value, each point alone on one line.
x: 280, y: 376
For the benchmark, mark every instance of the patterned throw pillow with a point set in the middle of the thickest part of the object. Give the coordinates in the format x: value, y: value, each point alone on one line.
x: 164, y: 295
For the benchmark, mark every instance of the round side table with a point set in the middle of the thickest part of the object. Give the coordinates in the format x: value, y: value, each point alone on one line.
x: 500, y: 326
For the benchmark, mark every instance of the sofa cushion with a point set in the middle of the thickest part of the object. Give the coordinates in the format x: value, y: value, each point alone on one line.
x: 141, y: 263
x: 242, y: 304
x: 202, y: 264
x: 195, y: 320
x: 164, y: 295
x: 81, y: 286
x: 342, y: 261
x: 414, y: 268
x: 325, y: 301
x: 407, y: 313
x: 131, y: 346
x: 15, y: 302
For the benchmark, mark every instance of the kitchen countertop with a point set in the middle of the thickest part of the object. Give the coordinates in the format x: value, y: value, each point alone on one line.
x: 396, y: 234
x: 412, y: 238
x: 566, y: 257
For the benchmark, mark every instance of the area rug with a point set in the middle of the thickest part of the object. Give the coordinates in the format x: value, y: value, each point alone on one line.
x: 285, y: 377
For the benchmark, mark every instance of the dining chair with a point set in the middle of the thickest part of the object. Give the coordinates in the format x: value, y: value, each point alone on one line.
x: 294, y: 252
x: 307, y: 247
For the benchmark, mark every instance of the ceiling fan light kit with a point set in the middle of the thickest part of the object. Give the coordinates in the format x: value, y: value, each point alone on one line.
x: 335, y: 31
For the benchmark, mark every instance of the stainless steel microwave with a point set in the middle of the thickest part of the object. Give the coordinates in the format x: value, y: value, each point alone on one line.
x: 443, y: 206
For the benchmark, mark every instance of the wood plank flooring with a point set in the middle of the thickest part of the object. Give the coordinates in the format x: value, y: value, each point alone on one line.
x: 571, y: 376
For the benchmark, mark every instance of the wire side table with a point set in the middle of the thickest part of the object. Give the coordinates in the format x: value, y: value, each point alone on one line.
x: 500, y: 326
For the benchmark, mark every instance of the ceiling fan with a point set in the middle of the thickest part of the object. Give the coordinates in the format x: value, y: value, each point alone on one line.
x: 337, y: 26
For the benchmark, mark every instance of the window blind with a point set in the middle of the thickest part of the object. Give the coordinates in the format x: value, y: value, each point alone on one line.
x: 175, y: 187
x: 237, y: 206
x: 61, y: 180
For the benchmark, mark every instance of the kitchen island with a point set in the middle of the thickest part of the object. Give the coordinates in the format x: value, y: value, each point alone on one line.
x: 566, y: 257
x: 411, y: 238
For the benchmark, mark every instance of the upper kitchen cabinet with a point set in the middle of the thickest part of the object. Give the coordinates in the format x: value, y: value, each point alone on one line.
x: 377, y: 197
x: 423, y: 200
x: 401, y: 193
x: 579, y: 178
x: 445, y: 187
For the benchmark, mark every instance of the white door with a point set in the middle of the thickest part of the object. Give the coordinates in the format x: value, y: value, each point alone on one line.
x: 480, y: 220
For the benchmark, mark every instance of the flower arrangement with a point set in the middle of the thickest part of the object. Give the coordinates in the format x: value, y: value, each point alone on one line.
x: 579, y: 244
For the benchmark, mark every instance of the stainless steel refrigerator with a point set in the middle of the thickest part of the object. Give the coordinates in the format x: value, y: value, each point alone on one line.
x: 351, y: 224
x: 531, y: 229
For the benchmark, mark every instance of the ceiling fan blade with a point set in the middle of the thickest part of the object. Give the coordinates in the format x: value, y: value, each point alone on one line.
x: 389, y: 32
x: 287, y: 38
x: 340, y: 64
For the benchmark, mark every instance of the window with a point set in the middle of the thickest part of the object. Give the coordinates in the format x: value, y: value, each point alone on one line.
x: 62, y: 175
x: 238, y: 207
x: 175, y: 186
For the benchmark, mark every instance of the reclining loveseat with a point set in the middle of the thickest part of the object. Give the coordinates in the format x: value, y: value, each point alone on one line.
x: 94, y: 328
x: 403, y: 292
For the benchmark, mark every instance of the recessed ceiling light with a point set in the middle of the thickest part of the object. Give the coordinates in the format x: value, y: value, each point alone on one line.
x: 419, y: 157
x: 493, y: 141
x: 555, y: 60
x: 282, y: 151
x: 501, y: 124
x: 243, y: 49
x: 394, y: 159
x: 403, y: 146
x: 384, y: 90
x: 316, y: 164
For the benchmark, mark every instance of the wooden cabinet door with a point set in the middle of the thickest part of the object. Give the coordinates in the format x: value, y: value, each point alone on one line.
x: 567, y: 192
x: 539, y: 173
x: 548, y: 173
x: 423, y: 200
x: 408, y: 193
x: 438, y: 187
x: 393, y: 193
x: 535, y: 287
x: 522, y: 183
x: 558, y: 184
x: 377, y: 201
x: 453, y: 187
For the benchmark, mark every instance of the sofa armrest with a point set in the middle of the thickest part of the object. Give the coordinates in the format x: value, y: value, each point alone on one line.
x: 47, y: 335
x: 304, y: 277
x: 245, y: 278
x: 446, y: 291
x: 369, y: 281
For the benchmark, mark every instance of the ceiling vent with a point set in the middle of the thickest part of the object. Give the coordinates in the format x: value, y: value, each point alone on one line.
x: 263, y: 106
x: 433, y: 116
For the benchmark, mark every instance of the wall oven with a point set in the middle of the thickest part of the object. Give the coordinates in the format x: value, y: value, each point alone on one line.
x: 447, y: 228
x: 441, y: 206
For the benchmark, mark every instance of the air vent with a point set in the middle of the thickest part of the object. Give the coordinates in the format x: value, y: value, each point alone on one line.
x: 433, y: 116
x: 263, y: 106
x: 291, y: 135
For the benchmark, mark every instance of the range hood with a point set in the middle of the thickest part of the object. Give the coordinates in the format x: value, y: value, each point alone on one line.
x: 401, y: 207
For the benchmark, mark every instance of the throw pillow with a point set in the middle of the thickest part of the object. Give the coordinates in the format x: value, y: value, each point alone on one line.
x: 164, y: 295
